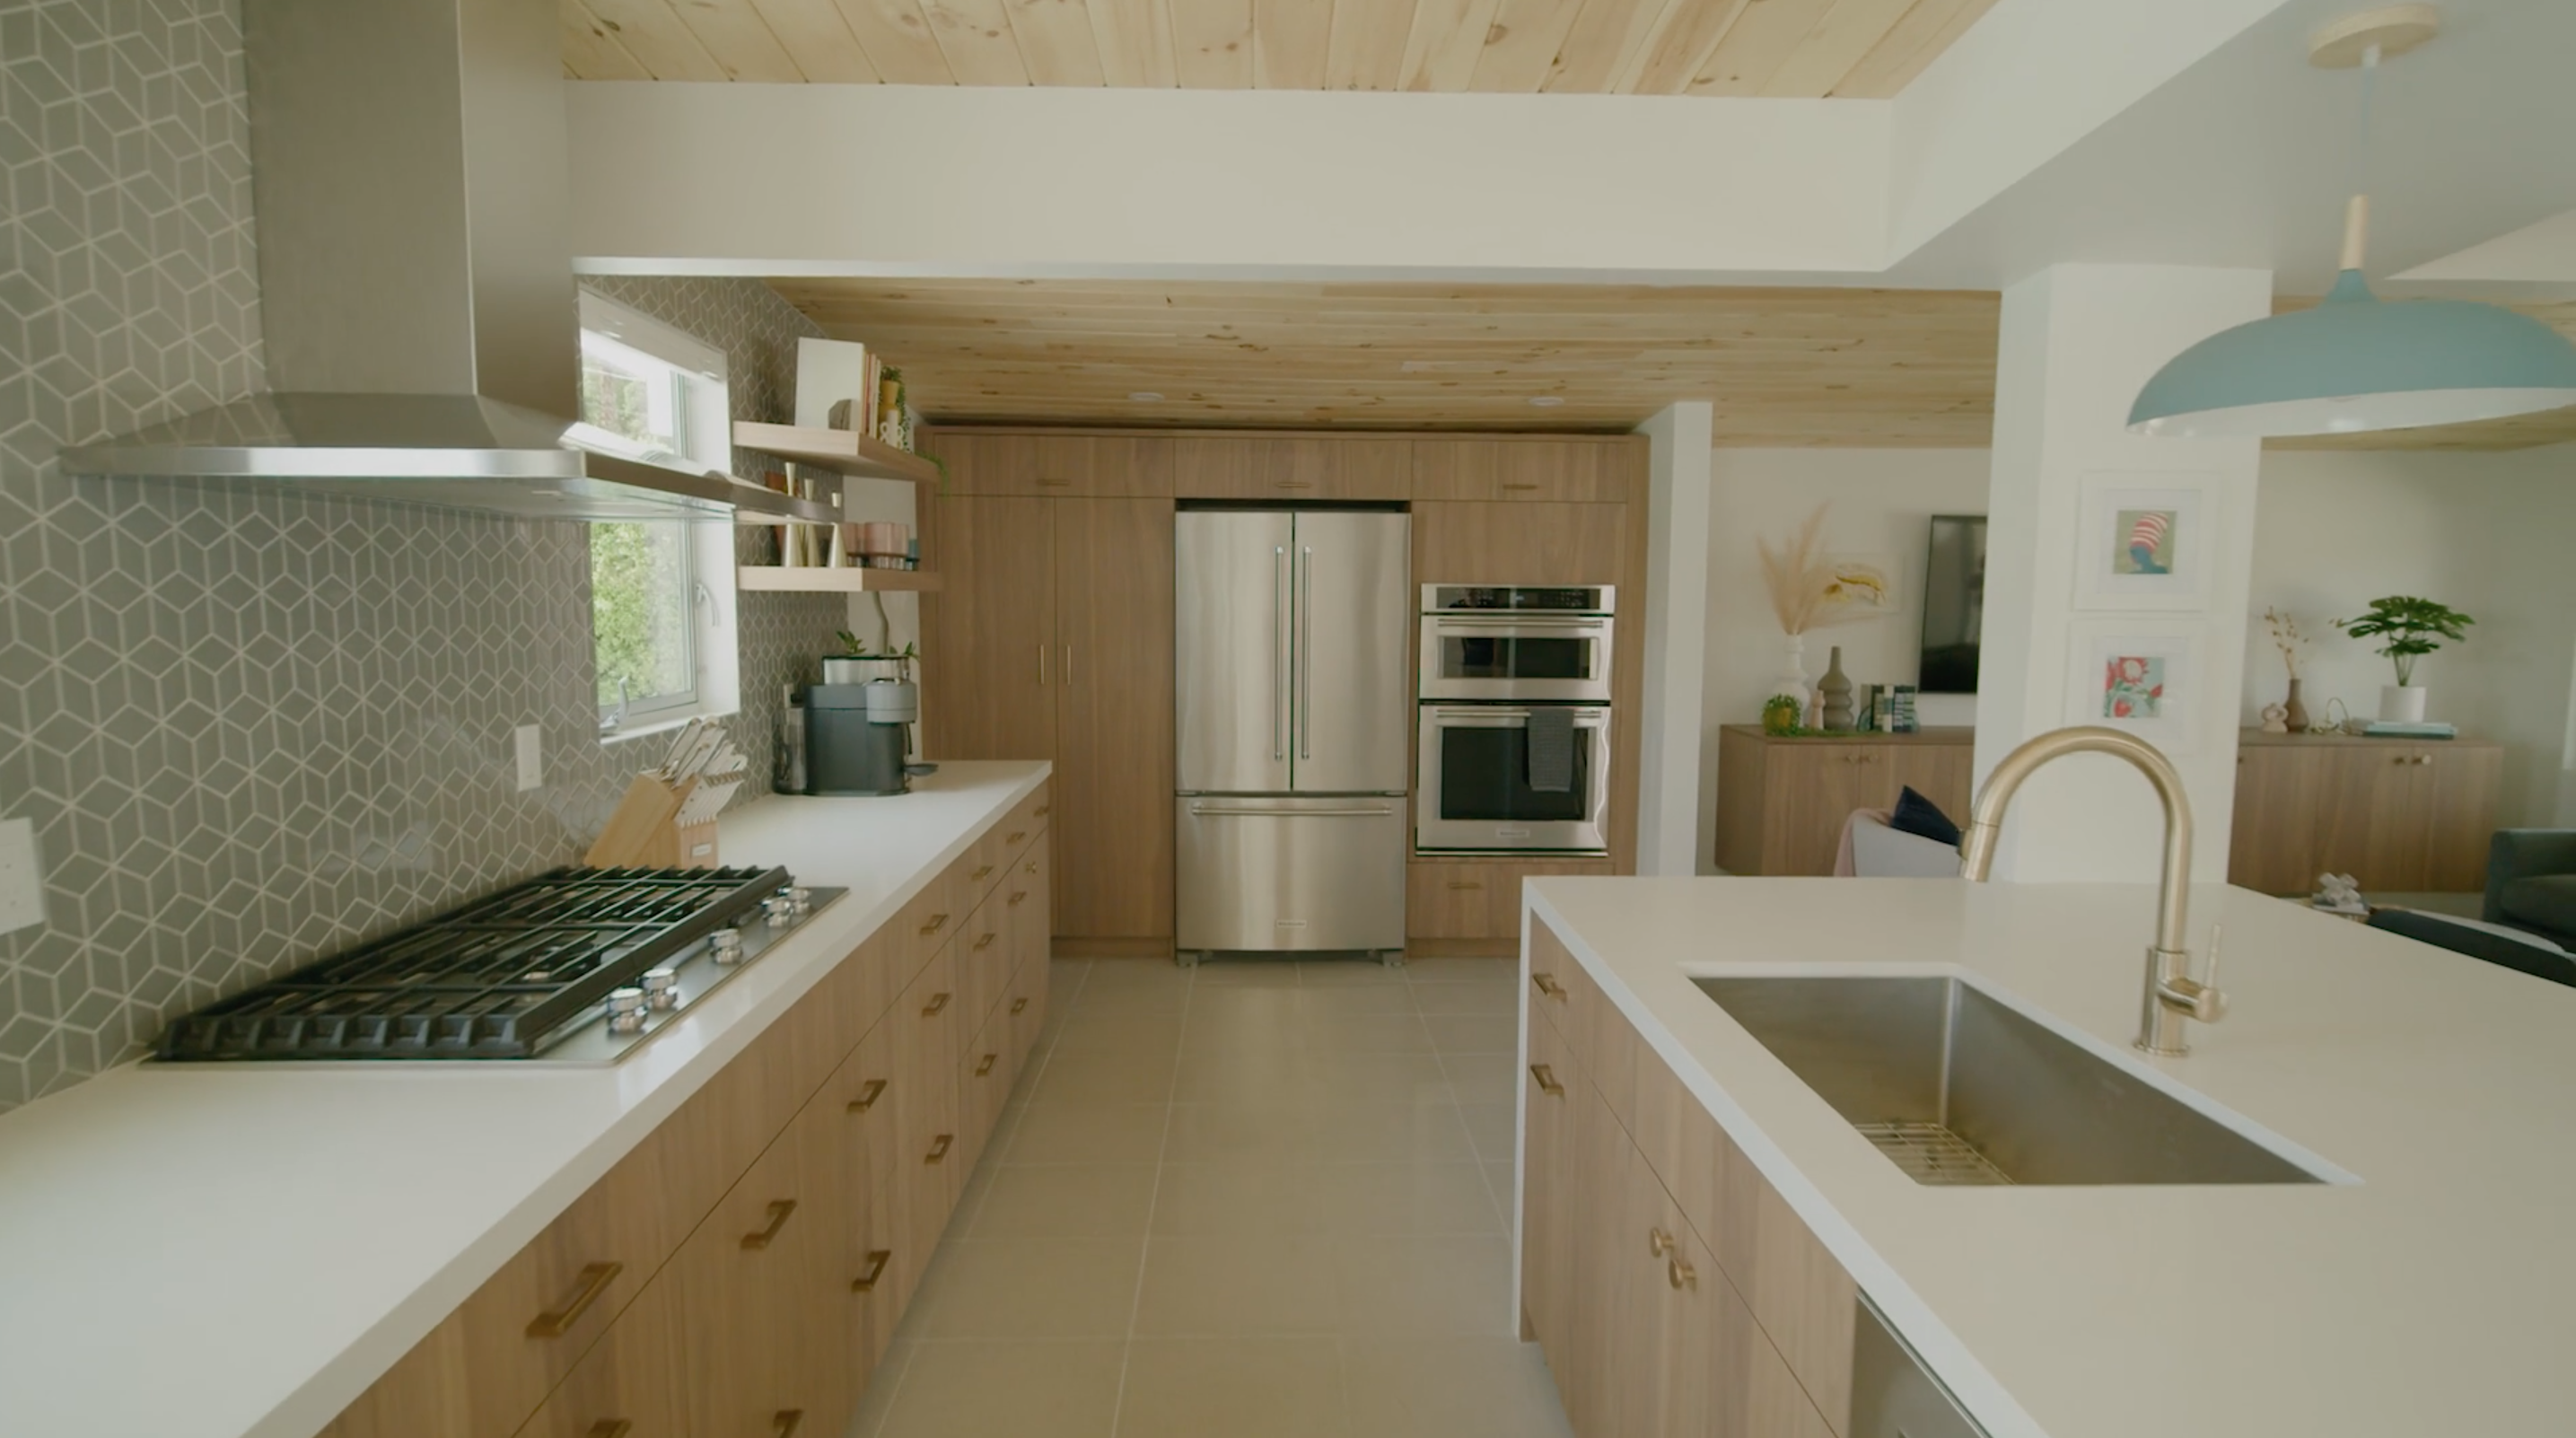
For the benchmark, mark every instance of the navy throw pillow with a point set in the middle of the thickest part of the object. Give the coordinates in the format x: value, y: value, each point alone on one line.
x: 1918, y: 815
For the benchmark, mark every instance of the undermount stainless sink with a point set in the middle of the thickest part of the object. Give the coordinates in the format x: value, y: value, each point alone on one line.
x: 1956, y: 1087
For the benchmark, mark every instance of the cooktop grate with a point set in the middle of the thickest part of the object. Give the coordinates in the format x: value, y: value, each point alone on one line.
x: 1932, y: 1154
x: 489, y: 981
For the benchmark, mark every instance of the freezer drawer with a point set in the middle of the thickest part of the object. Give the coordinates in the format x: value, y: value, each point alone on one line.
x: 1299, y: 873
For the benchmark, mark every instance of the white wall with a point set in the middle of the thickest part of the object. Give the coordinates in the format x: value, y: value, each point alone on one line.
x: 2488, y: 534
x: 1882, y: 503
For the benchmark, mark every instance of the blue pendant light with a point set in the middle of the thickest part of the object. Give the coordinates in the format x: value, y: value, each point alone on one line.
x: 2356, y: 362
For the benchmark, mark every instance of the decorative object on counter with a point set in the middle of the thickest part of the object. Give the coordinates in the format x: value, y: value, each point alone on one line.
x: 1781, y: 712
x: 1798, y: 578
x: 2276, y: 720
x: 2141, y: 680
x: 1836, y: 690
x: 2293, y: 644
x: 2144, y: 542
x: 2413, y: 628
x: 2338, y: 894
x: 1901, y: 702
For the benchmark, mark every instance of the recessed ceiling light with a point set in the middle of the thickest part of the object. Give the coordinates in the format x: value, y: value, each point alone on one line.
x: 1547, y: 401
x: 1146, y: 396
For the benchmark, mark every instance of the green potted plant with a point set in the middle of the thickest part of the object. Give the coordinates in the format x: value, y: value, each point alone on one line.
x: 2412, y: 628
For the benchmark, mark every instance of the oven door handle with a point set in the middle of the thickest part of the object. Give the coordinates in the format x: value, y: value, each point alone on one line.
x: 1464, y: 718
x: 1448, y: 625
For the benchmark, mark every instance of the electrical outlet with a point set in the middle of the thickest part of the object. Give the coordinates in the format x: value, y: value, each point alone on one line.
x: 532, y: 772
x: 22, y: 879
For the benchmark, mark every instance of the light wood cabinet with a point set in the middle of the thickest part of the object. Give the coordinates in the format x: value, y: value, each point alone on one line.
x: 746, y: 1282
x: 1496, y: 542
x: 2400, y: 818
x: 1474, y: 905
x: 1580, y: 470
x: 1781, y: 802
x: 988, y: 640
x: 1056, y: 466
x: 631, y: 1377
x: 1293, y: 468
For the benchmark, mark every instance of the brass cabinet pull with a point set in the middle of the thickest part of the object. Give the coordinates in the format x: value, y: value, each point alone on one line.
x: 779, y: 1208
x: 2396, y: 758
x: 980, y: 871
x: 937, y: 922
x: 986, y: 942
x: 1018, y: 1004
x: 1022, y: 894
x: 592, y: 1281
x: 877, y: 1260
x: 1680, y: 1274
x: 1466, y: 883
x: 1658, y: 1243
x: 785, y: 1424
x: 939, y: 1148
x: 1519, y: 486
x: 610, y: 1428
x: 1547, y: 1083
x: 937, y: 1002
x: 1055, y: 483
x: 1040, y: 811
x: 1292, y: 484
x: 986, y: 1066
x: 868, y: 1096
x: 1015, y: 836
x: 1547, y: 984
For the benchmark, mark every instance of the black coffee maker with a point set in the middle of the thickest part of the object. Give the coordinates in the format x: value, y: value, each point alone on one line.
x: 855, y: 737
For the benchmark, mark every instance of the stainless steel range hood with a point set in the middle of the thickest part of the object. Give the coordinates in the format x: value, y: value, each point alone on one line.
x: 408, y: 168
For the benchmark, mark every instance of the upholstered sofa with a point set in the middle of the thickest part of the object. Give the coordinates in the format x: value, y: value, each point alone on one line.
x: 2531, y: 882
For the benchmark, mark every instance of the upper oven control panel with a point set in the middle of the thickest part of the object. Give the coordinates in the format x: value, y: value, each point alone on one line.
x: 1476, y: 598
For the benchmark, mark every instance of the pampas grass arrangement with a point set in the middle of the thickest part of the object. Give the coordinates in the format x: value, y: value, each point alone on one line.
x: 1802, y: 583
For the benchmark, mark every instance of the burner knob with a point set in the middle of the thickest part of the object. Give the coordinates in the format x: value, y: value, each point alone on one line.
x: 779, y: 909
x: 626, y: 1011
x: 726, y: 945
x: 662, y: 989
x: 800, y: 900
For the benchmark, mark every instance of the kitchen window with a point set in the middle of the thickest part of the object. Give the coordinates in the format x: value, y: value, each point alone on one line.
x: 662, y: 633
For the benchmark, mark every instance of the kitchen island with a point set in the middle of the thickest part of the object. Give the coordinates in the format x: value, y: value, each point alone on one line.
x: 220, y: 1250
x: 2422, y: 1287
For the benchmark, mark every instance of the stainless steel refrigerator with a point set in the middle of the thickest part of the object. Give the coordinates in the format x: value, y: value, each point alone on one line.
x: 1294, y: 698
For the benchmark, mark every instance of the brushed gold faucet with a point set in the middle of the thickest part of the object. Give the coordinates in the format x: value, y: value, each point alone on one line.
x: 2172, y: 994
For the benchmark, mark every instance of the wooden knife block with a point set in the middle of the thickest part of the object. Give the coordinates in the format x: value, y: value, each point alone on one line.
x: 644, y: 832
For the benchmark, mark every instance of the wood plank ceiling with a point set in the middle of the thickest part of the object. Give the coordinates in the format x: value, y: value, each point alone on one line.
x: 1796, y: 49
x: 1785, y: 367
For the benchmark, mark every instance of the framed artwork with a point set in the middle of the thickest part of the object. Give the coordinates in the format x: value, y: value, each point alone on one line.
x: 2143, y: 679
x: 2145, y: 542
x: 1862, y: 583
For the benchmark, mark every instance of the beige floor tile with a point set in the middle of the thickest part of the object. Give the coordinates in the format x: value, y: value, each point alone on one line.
x: 1424, y: 1285
x: 878, y: 1396
x: 1051, y: 1132
x: 1348, y: 973
x: 1441, y: 971
x: 1500, y: 1178
x: 1118, y: 1031
x: 1216, y: 1132
x: 1400, y: 1198
x: 1474, y: 1033
x: 1381, y: 1078
x: 1246, y: 973
x: 1263, y: 1073
x: 1078, y: 1200
x: 1450, y: 1388
x: 1473, y: 996
x: 1031, y: 1288
x: 1483, y: 1078
x: 1203, y: 1287
x: 1233, y: 1388
x: 1106, y: 1078
x: 1241, y: 1198
x: 1333, y: 1000
x: 1394, y: 1033
x: 1387, y: 1133
x: 975, y: 1390
x: 1492, y: 1128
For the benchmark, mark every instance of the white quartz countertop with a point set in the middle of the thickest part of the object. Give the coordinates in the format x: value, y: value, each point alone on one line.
x: 2436, y: 1295
x: 212, y: 1251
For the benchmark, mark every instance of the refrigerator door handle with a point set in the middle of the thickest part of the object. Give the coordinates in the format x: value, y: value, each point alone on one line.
x: 1216, y: 811
x: 1305, y: 651
x: 1278, y: 652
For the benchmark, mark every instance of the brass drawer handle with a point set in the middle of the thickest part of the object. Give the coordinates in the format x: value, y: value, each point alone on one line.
x: 1659, y: 1243
x: 986, y: 942
x: 779, y: 1208
x: 939, y: 1148
x: 1520, y: 486
x: 937, y: 922
x: 1022, y: 894
x: 1292, y: 484
x: 1547, y: 984
x: 593, y: 1280
x: 1015, y: 836
x: 1547, y: 1083
x: 986, y: 1066
x: 1055, y: 483
x: 1040, y: 811
x: 785, y: 1424
x: 1018, y: 1004
x: 980, y: 871
x: 610, y: 1428
x: 1680, y: 1274
x: 873, y: 1090
x: 866, y: 1282
x: 1466, y: 883
x: 937, y: 1003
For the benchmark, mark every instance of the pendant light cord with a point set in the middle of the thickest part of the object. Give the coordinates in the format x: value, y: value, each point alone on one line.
x: 2356, y: 215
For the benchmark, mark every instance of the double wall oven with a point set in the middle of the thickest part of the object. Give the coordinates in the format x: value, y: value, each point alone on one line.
x: 1515, y: 721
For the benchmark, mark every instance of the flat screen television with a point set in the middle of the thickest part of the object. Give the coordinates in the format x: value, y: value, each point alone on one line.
x: 1954, y: 604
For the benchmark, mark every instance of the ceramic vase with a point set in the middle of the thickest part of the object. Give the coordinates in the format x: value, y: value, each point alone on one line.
x: 2297, y: 715
x: 1836, y: 690
x: 1792, y: 678
x: 2401, y: 703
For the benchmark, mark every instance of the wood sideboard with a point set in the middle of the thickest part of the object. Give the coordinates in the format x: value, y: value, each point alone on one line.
x: 2400, y: 817
x: 1781, y: 802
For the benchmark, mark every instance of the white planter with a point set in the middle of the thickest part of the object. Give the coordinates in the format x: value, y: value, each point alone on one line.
x: 1792, y: 678
x: 2401, y: 703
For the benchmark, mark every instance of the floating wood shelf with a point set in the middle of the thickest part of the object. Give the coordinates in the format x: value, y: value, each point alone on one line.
x: 813, y: 580
x: 842, y: 450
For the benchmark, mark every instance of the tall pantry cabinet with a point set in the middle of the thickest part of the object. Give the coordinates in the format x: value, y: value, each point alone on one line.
x: 1053, y: 640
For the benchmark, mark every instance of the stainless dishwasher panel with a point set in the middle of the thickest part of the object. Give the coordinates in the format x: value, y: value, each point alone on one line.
x: 1892, y: 1394
x: 1302, y: 872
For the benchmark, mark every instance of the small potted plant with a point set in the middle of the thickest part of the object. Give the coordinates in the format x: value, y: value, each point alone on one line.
x: 2413, y: 628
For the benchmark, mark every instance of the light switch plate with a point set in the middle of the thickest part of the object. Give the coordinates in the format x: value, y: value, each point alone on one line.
x: 22, y: 880
x: 532, y: 771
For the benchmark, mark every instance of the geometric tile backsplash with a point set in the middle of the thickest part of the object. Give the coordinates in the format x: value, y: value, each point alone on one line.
x: 252, y: 726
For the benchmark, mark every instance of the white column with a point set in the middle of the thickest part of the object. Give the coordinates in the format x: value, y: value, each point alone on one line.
x: 1675, y: 611
x: 2077, y: 343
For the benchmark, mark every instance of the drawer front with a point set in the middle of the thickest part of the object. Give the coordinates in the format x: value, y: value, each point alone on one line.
x: 986, y: 1068
x: 868, y: 1092
x: 631, y: 1377
x: 1026, y: 1006
x: 1449, y: 900
x: 934, y: 917
x: 1548, y: 1081
x: 1029, y: 900
x: 926, y: 1112
x: 1568, y: 997
x: 758, y: 1309
x: 983, y: 962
